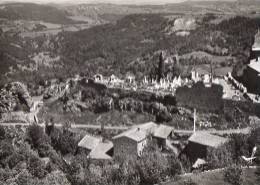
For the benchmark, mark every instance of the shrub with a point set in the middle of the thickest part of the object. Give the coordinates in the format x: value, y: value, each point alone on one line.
x: 36, y: 167
x: 219, y: 157
x: 38, y: 139
x: 233, y: 175
x: 2, y: 133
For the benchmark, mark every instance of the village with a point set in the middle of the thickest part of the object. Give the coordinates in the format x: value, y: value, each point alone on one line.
x: 152, y: 99
x: 131, y: 141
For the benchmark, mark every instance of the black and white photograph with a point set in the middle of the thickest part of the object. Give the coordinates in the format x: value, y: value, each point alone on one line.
x: 129, y: 92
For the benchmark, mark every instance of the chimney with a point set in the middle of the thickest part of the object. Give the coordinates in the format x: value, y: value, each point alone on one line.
x: 194, y: 121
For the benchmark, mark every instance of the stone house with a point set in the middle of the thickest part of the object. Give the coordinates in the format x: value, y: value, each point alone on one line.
x: 133, y: 141
x: 161, y: 134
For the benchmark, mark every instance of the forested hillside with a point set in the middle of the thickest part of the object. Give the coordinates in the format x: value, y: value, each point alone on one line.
x: 30, y: 11
x: 132, y: 44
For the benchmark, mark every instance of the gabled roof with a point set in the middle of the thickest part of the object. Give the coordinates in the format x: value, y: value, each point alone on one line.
x: 207, y: 139
x: 148, y: 127
x: 138, y: 132
x: 134, y: 134
x: 163, y: 131
x: 100, y: 151
x: 89, y: 142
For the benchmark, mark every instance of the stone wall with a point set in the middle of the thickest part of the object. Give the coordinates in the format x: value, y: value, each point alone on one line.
x: 124, y: 146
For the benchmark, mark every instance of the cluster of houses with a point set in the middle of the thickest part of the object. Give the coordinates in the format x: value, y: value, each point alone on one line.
x: 132, y: 142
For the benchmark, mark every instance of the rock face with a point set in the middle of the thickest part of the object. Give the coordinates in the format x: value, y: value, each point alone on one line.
x: 15, y: 97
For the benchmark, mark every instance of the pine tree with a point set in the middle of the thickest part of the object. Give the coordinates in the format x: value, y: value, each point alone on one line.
x: 160, y: 73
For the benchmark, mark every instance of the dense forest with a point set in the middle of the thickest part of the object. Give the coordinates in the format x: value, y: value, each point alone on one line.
x: 132, y: 44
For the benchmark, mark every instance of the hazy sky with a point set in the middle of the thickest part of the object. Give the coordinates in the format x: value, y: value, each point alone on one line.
x: 103, y: 1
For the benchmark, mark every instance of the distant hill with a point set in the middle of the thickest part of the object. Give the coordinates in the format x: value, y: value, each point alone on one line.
x: 30, y: 11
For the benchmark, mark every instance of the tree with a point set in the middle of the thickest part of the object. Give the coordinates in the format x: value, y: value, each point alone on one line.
x: 219, y: 157
x: 2, y: 133
x: 233, y: 175
x: 160, y: 72
x: 38, y: 139
x: 63, y: 141
x: 152, y: 166
x: 6, y: 150
x: 36, y: 167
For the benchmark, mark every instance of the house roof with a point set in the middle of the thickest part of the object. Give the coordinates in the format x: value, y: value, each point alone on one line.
x: 255, y: 65
x: 163, y: 131
x: 207, y: 139
x: 135, y: 134
x: 148, y: 127
x: 100, y: 151
x: 138, y: 132
x: 89, y: 142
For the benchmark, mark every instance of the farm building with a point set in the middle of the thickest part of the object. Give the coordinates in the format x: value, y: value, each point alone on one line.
x: 198, y: 144
x: 133, y: 141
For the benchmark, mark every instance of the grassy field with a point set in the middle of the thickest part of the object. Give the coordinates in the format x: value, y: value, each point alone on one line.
x: 216, y: 178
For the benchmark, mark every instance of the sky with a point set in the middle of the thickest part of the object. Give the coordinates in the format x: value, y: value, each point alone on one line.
x: 102, y: 1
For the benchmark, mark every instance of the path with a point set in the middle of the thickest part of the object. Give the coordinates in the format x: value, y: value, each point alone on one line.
x: 219, y: 132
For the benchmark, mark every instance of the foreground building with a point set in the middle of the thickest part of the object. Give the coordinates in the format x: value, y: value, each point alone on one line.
x: 199, y: 143
x: 133, y: 141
